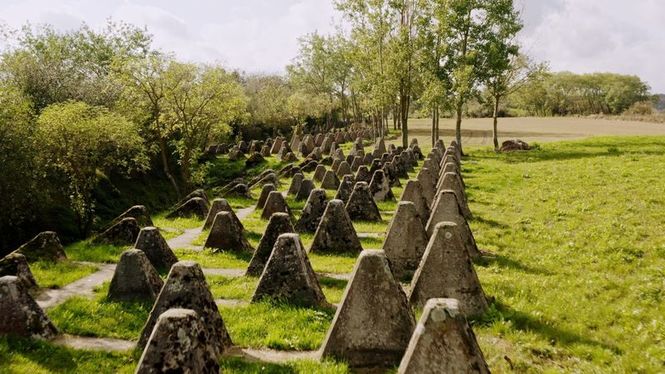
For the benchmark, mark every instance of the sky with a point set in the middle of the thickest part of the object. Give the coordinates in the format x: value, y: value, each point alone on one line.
x: 262, y: 35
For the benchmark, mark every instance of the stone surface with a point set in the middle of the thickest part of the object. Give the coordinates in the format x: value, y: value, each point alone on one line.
x: 361, y: 205
x: 363, y: 175
x: 305, y: 189
x: 180, y: 343
x: 451, y: 181
x: 134, y: 278
x: 239, y: 190
x: 288, y: 276
x: 254, y: 159
x: 514, y: 145
x: 319, y: 173
x: 138, y: 212
x: 265, y: 191
x: 275, y: 203
x: 405, y: 241
x: 446, y: 271
x: 280, y: 223
x: 330, y: 181
x: 343, y: 169
x: 413, y: 192
x: 43, y: 247
x: 186, y: 287
x: 296, y: 182
x: 226, y: 235
x: 153, y: 244
x: 124, y: 232
x: 380, y: 146
x: 373, y: 323
x: 312, y: 211
x: 19, y: 313
x: 196, y: 193
x: 194, y: 207
x: 443, y: 342
x: 379, y: 187
x: 335, y: 233
x: 446, y: 208
x: 219, y: 205
x: 16, y: 264
x: 427, y: 183
x: 391, y: 174
x: 345, y: 188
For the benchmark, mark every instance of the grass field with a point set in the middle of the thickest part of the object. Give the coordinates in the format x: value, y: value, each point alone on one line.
x: 576, y: 276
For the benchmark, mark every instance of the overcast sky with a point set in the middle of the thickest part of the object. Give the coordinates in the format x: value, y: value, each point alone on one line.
x: 261, y: 35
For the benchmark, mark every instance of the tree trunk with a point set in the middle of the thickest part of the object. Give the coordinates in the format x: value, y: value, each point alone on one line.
x: 404, y: 112
x: 165, y: 166
x: 458, y: 124
x: 495, y: 116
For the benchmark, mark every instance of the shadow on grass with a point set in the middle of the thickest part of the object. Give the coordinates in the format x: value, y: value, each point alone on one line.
x: 243, y: 256
x: 506, y: 262
x: 525, y: 322
x: 240, y: 365
x: 490, y: 222
x: 339, y: 284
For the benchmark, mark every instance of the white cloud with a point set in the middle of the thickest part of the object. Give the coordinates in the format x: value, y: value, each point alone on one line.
x: 261, y: 35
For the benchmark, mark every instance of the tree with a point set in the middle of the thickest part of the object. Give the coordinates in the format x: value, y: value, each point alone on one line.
x: 199, y: 104
x: 78, y: 141
x: 503, y: 70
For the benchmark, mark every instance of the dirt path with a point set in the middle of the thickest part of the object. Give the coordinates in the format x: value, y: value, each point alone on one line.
x: 81, y: 287
x: 94, y: 344
x: 270, y: 355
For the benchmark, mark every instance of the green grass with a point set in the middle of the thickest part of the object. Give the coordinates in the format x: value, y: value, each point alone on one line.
x: 179, y: 224
x: 238, y: 365
x: 336, y: 264
x: 101, y: 317
x: 86, y: 251
x: 276, y: 326
x: 375, y: 227
x: 221, y: 260
x: 577, y: 229
x: 58, y: 274
x: 36, y: 357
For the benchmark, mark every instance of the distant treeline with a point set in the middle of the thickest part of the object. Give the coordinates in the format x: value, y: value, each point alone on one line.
x: 565, y: 93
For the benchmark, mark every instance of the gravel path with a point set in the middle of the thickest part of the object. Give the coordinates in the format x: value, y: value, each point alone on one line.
x: 82, y: 287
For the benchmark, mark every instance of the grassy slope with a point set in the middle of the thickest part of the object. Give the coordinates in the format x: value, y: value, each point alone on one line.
x: 578, y: 277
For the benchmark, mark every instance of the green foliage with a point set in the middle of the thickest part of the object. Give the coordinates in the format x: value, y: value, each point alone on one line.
x: 79, y: 141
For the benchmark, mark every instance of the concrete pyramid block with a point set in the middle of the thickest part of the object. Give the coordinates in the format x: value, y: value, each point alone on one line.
x: 309, y: 166
x: 446, y: 271
x: 265, y: 191
x: 345, y: 188
x: 15, y: 264
x: 335, y: 233
x: 446, y: 209
x: 280, y: 223
x: 451, y: 181
x: 330, y: 181
x: 363, y: 175
x: 196, y: 193
x: 20, y: 314
x: 296, y: 182
x: 319, y: 173
x: 275, y: 203
x: 443, y: 342
x: 226, y: 235
x: 357, y: 163
x: 373, y: 323
x: 428, y: 184
x: 380, y: 187
x: 288, y: 276
x: 45, y: 246
x: 305, y: 189
x: 134, y: 278
x: 124, y: 232
x: 335, y: 165
x: 186, y: 287
x: 413, y: 192
x: 343, y: 169
x: 380, y: 146
x: 361, y: 205
x: 432, y: 165
x: 138, y: 212
x: 406, y: 240
x: 153, y: 244
x: 180, y: 343
x: 452, y: 168
x: 400, y: 167
x: 391, y: 174
x: 312, y: 211
x: 194, y: 207
x: 219, y: 205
